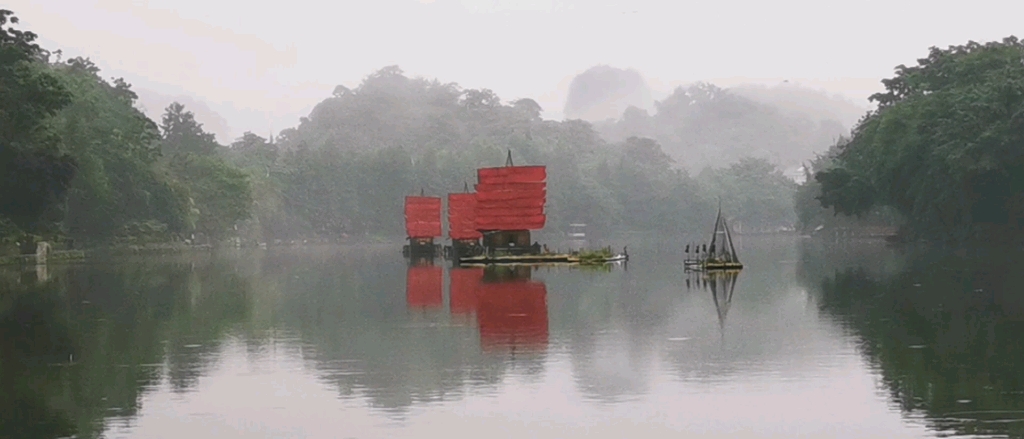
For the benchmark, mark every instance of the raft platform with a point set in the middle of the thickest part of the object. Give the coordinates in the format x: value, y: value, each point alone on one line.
x: 712, y: 266
x: 555, y: 258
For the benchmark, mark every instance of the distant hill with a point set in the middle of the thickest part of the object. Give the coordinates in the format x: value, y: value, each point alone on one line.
x: 798, y: 100
x: 706, y: 126
x: 604, y: 92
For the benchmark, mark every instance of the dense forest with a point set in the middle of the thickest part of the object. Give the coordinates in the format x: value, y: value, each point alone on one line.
x: 943, y: 151
x: 82, y: 162
x: 940, y: 155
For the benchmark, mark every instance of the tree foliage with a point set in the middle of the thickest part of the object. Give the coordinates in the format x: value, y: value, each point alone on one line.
x: 37, y: 171
x: 83, y: 161
x: 79, y: 159
x: 943, y: 148
x: 756, y: 192
x: 347, y: 167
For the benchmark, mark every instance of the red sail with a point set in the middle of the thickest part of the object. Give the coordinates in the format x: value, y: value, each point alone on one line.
x: 422, y: 217
x: 462, y: 216
x: 493, y: 193
x: 490, y: 204
x: 511, y: 198
x: 462, y: 296
x: 512, y: 174
x: 423, y: 287
x: 512, y: 187
x: 498, y: 211
x: 512, y: 315
x: 511, y: 223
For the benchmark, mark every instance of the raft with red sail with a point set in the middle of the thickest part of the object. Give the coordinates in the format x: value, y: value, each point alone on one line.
x: 511, y: 198
x: 422, y: 217
x: 462, y: 217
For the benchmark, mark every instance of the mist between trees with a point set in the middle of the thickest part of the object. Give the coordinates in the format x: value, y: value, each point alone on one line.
x: 82, y: 162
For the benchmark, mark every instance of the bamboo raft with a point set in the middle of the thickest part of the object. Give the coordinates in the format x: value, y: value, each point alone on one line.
x: 553, y: 258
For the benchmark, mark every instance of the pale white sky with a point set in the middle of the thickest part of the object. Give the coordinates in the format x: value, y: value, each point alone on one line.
x: 262, y: 65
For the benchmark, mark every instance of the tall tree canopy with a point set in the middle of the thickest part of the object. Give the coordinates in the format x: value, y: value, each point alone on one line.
x: 80, y: 160
x: 943, y: 148
x: 37, y: 171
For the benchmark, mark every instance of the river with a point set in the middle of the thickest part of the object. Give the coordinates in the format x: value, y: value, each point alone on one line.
x: 810, y: 340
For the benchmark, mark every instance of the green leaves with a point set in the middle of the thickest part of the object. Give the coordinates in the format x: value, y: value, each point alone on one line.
x: 36, y: 171
x: 182, y: 134
x: 944, y: 147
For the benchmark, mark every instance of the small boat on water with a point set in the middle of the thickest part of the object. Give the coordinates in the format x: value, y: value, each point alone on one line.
x: 720, y: 254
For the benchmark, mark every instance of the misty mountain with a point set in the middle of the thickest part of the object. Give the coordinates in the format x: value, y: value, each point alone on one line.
x: 604, y: 92
x: 703, y: 125
x: 801, y: 101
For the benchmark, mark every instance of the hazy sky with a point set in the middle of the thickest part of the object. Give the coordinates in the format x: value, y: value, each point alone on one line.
x: 262, y: 65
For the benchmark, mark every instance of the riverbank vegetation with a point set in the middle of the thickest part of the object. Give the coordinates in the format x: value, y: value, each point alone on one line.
x: 85, y: 166
x: 82, y: 164
x: 942, y: 150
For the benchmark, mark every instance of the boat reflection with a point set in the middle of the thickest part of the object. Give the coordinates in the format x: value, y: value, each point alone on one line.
x: 511, y: 310
x: 424, y: 284
x: 462, y: 292
x: 722, y: 284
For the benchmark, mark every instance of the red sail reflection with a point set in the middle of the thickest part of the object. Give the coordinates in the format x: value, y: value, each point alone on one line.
x: 512, y: 314
x: 424, y: 287
x: 462, y: 295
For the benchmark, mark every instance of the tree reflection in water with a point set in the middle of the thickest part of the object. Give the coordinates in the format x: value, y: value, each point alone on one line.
x: 942, y: 329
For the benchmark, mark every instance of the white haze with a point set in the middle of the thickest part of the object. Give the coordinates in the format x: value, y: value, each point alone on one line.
x: 262, y: 65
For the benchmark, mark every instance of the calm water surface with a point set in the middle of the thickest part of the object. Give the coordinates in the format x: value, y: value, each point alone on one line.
x: 810, y: 340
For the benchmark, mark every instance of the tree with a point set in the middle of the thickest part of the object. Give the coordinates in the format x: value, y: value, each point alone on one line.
x: 529, y: 108
x: 255, y: 151
x: 755, y: 193
x: 182, y: 134
x: 116, y: 146
x: 220, y: 192
x: 36, y: 170
x: 943, y: 146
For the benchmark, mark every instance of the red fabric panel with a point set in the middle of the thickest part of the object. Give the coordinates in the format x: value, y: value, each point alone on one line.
x: 462, y: 297
x: 511, y: 198
x: 423, y: 287
x: 512, y: 187
x: 422, y: 217
x: 511, y: 174
x: 512, y: 314
x: 521, y: 212
x: 538, y: 194
x: 490, y: 204
x: 462, y: 216
x: 511, y: 223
